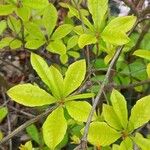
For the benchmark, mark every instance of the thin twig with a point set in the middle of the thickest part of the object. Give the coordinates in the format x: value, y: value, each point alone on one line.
x: 8, y: 118
x: 26, y: 124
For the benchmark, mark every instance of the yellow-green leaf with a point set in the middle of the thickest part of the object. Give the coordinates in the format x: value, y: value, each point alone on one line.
x: 6, y: 9
x: 57, y: 47
x: 36, y: 4
x: 120, y: 107
x: 74, y: 76
x: 79, y: 110
x: 142, y: 142
x: 46, y: 74
x: 148, y: 70
x: 3, y: 26
x: 126, y: 144
x: 140, y: 113
x: 62, y: 31
x: 50, y: 18
x: 86, y: 39
x: 5, y: 42
x: 23, y: 12
x: 34, y: 44
x: 98, y: 9
x: 100, y: 134
x: 54, y: 128
x: 142, y: 53
x: 15, y: 44
x: 3, y: 113
x: 30, y: 95
x: 111, y: 118
x: 79, y: 96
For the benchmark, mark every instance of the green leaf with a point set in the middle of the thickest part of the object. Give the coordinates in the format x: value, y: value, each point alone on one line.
x: 140, y: 113
x: 126, y: 144
x: 14, y: 24
x: 34, y: 44
x: 120, y: 107
x: 79, y: 96
x: 23, y: 12
x: 62, y: 31
x: 115, y: 147
x: 114, y: 32
x: 36, y: 4
x: 79, y: 110
x: 86, y: 39
x: 47, y: 74
x: 142, y: 142
x: 6, y: 10
x: 54, y: 128
x: 5, y: 42
x: 148, y: 70
x: 111, y: 118
x: 33, y: 133
x: 116, y: 38
x: 34, y: 30
x: 3, y: 113
x: 100, y: 134
x: 74, y: 54
x: 15, y: 44
x: 3, y: 26
x: 56, y: 80
x: 64, y: 58
x: 72, y: 42
x: 74, y: 76
x: 50, y: 18
x: 98, y: 9
x: 142, y: 53
x: 30, y: 95
x: 57, y: 47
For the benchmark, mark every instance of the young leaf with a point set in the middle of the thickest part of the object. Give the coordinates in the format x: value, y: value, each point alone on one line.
x: 142, y: 142
x: 78, y: 110
x: 3, y: 26
x: 23, y: 13
x: 98, y: 9
x: 148, y: 70
x: 50, y: 18
x: 5, y: 42
x: 100, y: 134
x: 86, y: 39
x: 30, y: 95
x: 3, y: 113
x: 74, y: 76
x: 111, y: 118
x: 62, y: 31
x: 115, y: 31
x: 140, y: 113
x: 15, y: 44
x: 34, y: 30
x: 33, y: 133
x: 64, y: 58
x: 142, y: 53
x: 120, y: 107
x: 34, y: 44
x: 79, y: 96
x: 73, y: 41
x: 45, y: 73
x: 126, y: 144
x: 36, y: 4
x: 56, y: 80
x: 57, y: 47
x: 54, y: 128
x: 6, y: 9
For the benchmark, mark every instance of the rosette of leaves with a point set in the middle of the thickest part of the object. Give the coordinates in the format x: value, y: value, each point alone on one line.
x: 55, y: 126
x: 107, y: 35
x: 117, y: 125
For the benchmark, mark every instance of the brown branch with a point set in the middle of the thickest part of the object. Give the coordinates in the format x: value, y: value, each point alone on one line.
x: 26, y: 124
